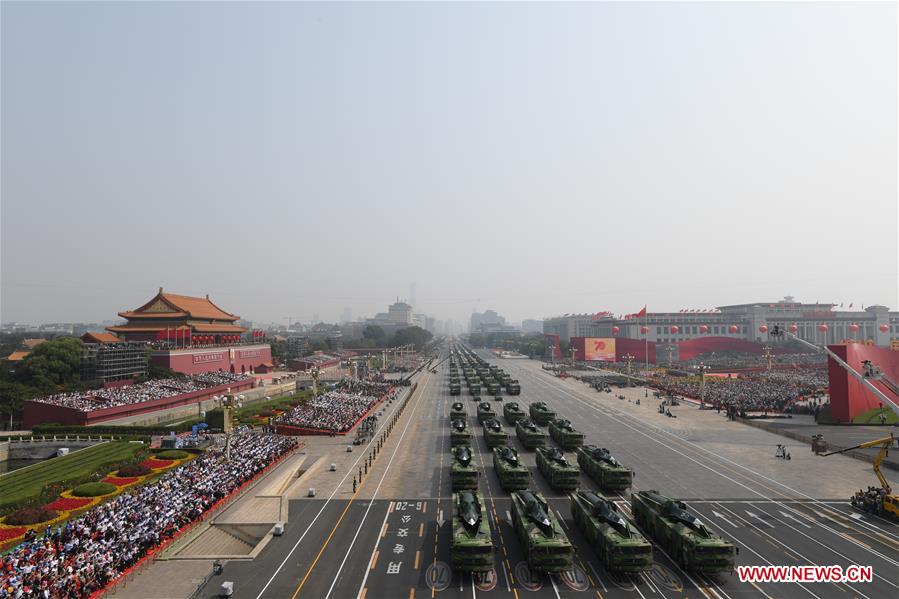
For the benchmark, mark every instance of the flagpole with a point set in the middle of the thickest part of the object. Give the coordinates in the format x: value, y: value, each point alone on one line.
x: 646, y: 350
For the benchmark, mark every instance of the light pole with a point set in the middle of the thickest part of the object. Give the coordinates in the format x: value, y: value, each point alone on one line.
x: 766, y: 353
x: 629, y: 358
x: 702, y: 368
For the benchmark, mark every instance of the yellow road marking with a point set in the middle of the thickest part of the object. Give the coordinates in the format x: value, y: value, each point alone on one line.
x: 384, y: 532
x: 421, y: 529
x: 374, y: 560
x: 412, y: 593
x: 365, y: 590
x: 417, y: 557
x: 322, y: 550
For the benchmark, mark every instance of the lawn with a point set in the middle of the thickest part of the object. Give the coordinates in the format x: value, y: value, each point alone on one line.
x: 20, y: 485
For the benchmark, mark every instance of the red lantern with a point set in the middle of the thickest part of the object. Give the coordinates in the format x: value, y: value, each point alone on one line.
x: 644, y: 330
x: 615, y: 330
x: 853, y: 327
x: 763, y: 329
x: 734, y: 328
x: 822, y: 328
x: 793, y: 328
x: 703, y: 329
x: 674, y: 329
x: 884, y: 328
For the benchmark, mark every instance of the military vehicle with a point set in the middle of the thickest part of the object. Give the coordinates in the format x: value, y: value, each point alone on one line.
x: 457, y: 411
x: 603, y: 468
x: 455, y: 389
x: 494, y: 434
x: 529, y: 434
x: 513, y: 475
x: 492, y: 388
x: 513, y: 413
x: 474, y: 388
x: 463, y: 473
x: 560, y: 475
x: 540, y: 413
x: 472, y: 548
x: 513, y: 387
x: 546, y: 546
x: 485, y: 411
x: 618, y: 543
x: 459, y: 434
x: 564, y: 434
x: 681, y: 534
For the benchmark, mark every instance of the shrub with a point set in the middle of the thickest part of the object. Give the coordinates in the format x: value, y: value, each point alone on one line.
x: 266, y: 413
x: 30, y: 515
x: 171, y: 454
x: 93, y: 489
x: 132, y: 470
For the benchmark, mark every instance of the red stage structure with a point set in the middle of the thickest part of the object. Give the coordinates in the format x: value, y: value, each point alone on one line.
x: 849, y: 397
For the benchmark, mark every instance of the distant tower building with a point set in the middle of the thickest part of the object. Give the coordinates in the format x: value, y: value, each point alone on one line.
x: 400, y: 312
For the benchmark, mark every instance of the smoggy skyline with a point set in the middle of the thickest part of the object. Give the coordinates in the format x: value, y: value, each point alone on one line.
x: 536, y: 159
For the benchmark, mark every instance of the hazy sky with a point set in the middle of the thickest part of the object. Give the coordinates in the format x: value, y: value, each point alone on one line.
x: 292, y: 159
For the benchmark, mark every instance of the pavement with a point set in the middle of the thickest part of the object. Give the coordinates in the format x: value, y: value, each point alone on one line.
x: 391, y: 536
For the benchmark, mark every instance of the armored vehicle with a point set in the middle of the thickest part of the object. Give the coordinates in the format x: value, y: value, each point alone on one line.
x: 513, y: 413
x: 560, y: 475
x: 618, y: 543
x: 455, y: 389
x: 564, y: 434
x: 457, y: 412
x: 513, y: 387
x: 494, y: 434
x: 472, y: 549
x: 463, y: 473
x: 459, y: 434
x: 474, y: 388
x: 681, y: 534
x: 513, y: 475
x: 492, y: 388
x: 546, y: 546
x: 602, y: 467
x: 485, y: 411
x: 541, y: 414
x: 530, y: 434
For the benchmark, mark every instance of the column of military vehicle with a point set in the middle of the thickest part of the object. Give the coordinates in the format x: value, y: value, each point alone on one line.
x: 618, y: 543
x: 457, y: 411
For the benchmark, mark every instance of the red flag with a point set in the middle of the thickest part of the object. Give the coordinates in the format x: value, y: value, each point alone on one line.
x: 641, y: 312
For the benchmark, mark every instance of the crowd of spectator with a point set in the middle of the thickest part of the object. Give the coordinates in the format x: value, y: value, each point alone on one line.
x: 774, y: 391
x: 96, y: 399
x: 723, y: 360
x: 86, y: 554
x: 336, y: 411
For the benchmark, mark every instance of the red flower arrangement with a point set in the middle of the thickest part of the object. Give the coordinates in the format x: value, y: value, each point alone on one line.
x: 121, y: 482
x: 64, y: 505
x: 11, y: 533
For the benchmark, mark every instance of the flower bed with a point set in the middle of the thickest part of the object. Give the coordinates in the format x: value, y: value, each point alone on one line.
x: 93, y: 489
x: 30, y: 515
x: 8, y: 533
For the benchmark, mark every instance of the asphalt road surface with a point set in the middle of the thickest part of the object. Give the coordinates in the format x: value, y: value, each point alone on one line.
x: 392, y: 539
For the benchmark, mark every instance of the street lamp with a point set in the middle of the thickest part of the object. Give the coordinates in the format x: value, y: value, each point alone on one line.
x: 766, y: 353
x: 702, y: 368
x: 629, y: 358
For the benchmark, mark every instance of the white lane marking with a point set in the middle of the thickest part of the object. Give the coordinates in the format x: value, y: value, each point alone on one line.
x: 555, y: 588
x: 375, y: 548
x: 308, y: 528
x: 794, y: 519
x: 757, y: 517
x: 371, y: 502
x: 723, y: 517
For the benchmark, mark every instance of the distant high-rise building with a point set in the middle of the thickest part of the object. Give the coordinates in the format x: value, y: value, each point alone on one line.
x: 346, y: 316
x: 400, y: 312
x: 531, y: 325
x: 488, y: 318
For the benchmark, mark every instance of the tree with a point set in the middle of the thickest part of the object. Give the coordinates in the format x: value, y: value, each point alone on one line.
x: 416, y: 336
x: 374, y: 333
x: 12, y: 396
x: 52, y: 364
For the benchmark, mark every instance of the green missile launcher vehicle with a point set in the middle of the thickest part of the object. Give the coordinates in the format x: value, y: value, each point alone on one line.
x: 474, y: 388
x: 513, y: 413
x: 492, y: 388
x: 603, y: 468
x: 459, y: 434
x: 463, y: 473
x: 513, y: 387
x: 681, y: 534
x: 485, y: 411
x: 455, y: 389
x: 546, y: 546
x: 494, y: 434
x: 472, y: 548
x: 618, y: 543
x: 541, y: 414
x: 457, y: 412
x: 560, y: 475
x: 530, y: 434
x: 513, y: 475
x: 564, y: 434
